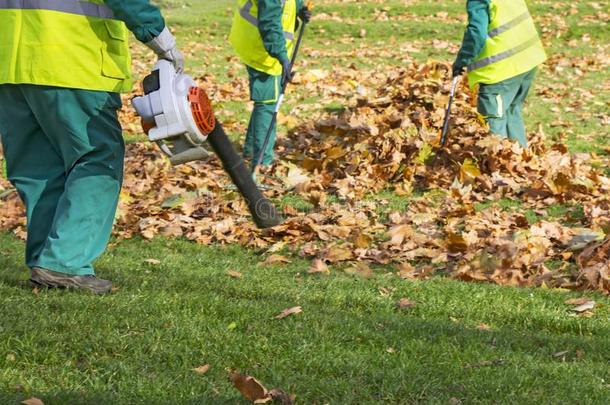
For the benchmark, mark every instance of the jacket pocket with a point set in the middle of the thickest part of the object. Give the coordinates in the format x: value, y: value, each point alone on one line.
x: 113, y: 65
x: 116, y: 30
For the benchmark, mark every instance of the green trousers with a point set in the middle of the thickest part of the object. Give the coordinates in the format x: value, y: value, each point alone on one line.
x: 501, y: 104
x: 264, y: 91
x: 64, y: 153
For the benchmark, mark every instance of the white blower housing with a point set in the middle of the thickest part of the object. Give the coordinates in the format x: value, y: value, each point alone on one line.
x: 176, y: 114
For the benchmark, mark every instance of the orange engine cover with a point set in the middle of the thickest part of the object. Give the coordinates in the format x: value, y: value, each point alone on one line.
x: 201, y: 108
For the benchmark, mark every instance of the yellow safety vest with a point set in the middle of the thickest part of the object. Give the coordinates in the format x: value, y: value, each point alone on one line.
x: 64, y: 43
x: 246, y: 39
x: 513, y: 46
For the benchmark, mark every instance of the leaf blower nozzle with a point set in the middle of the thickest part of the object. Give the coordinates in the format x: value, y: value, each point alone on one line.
x: 178, y: 116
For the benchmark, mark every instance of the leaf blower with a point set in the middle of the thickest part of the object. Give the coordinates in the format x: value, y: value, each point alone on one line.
x: 178, y: 116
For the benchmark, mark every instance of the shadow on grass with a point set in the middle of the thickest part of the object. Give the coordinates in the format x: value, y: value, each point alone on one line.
x: 60, y: 397
x: 13, y: 271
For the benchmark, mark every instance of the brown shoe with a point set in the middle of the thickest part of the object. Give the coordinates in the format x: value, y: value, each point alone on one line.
x: 52, y: 279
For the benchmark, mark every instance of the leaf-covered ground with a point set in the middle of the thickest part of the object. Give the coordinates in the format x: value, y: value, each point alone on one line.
x: 363, y: 180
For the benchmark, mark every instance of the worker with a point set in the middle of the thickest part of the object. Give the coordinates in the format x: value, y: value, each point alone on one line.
x: 501, y: 51
x: 263, y: 36
x: 63, y: 65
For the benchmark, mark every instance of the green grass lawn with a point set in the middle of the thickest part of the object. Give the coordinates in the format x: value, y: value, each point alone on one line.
x: 475, y: 343
x: 460, y: 343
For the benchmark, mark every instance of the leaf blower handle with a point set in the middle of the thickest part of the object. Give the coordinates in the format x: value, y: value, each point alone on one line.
x: 445, y: 132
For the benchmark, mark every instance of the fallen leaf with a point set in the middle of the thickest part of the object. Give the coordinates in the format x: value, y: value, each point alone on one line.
x: 587, y: 306
x: 469, y: 170
x: 400, y: 233
x: 32, y: 401
x: 152, y: 261
x: 362, y: 241
x: 360, y: 269
x: 295, y: 177
x: 318, y: 267
x: 456, y: 243
x: 583, y: 238
x: 384, y: 292
x: 234, y: 274
x: 282, y: 397
x: 174, y: 201
x: 408, y: 272
x: 483, y: 326
x: 338, y: 254
x: 405, y: 303
x: 202, y: 369
x: 250, y: 388
x: 275, y: 259
x: 578, y: 301
x: 288, y: 312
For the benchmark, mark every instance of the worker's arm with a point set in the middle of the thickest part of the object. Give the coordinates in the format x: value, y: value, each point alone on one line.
x: 141, y: 17
x: 270, y: 28
x: 145, y: 21
x: 475, y: 35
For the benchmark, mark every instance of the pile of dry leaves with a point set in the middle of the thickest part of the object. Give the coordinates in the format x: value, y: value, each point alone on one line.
x: 390, y: 142
x: 338, y: 164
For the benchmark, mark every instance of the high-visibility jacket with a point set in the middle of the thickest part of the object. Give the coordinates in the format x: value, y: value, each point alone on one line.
x: 246, y: 38
x: 64, y: 43
x: 513, y: 46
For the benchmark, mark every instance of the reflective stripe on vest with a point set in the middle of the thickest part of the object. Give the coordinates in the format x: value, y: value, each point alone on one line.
x: 513, y: 46
x: 245, y: 13
x: 65, y: 6
x: 504, y: 55
x: 511, y: 24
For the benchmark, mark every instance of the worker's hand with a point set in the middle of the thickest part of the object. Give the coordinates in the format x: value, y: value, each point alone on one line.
x: 176, y: 57
x: 286, y: 73
x: 305, y: 14
x: 458, y: 70
x: 165, y: 47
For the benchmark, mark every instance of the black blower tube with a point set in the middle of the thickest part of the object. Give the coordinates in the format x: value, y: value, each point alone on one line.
x: 263, y: 211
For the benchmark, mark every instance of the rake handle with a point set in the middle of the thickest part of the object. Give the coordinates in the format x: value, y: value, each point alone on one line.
x: 448, y: 112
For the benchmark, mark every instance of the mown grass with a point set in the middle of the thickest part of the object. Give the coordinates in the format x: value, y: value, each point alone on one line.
x: 475, y: 343
x: 460, y: 342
